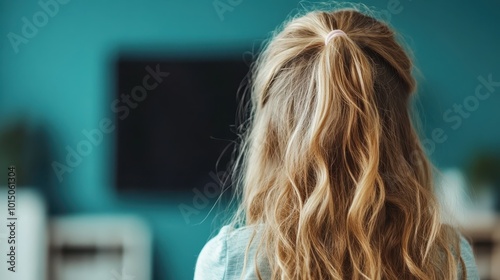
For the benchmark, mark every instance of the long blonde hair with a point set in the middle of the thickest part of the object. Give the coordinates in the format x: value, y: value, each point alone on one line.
x: 330, y: 167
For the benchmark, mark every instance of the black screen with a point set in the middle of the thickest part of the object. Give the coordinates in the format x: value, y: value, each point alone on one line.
x: 172, y: 137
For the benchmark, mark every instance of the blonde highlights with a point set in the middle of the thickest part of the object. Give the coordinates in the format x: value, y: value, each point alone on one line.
x: 331, y: 168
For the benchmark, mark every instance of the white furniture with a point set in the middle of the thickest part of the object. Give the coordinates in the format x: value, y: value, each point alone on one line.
x: 30, y: 236
x: 112, y: 247
x: 483, y: 230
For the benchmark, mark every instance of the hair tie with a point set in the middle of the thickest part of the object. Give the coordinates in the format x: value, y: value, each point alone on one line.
x: 333, y: 33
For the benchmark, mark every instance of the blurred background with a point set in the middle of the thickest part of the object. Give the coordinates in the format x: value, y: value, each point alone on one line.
x: 115, y: 113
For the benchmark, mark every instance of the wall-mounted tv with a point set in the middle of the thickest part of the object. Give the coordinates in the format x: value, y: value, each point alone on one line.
x: 175, y: 117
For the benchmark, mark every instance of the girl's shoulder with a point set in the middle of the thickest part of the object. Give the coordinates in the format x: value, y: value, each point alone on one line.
x: 223, y: 257
x: 468, y: 257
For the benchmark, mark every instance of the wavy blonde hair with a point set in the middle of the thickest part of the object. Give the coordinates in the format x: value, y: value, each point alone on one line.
x: 331, y: 168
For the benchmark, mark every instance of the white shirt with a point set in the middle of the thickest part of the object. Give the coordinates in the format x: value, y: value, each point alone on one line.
x: 223, y: 256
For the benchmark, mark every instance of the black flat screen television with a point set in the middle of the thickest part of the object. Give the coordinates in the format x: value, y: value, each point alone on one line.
x: 175, y: 118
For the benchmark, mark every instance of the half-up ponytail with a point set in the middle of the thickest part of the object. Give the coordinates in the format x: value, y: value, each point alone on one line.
x: 352, y: 79
x: 327, y: 169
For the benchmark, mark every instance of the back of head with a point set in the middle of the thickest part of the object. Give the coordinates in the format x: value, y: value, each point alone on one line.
x: 332, y: 167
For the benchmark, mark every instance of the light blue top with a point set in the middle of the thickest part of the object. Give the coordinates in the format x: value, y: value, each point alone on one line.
x: 223, y: 256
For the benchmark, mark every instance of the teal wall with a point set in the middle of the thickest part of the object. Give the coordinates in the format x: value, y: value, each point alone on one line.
x: 62, y: 78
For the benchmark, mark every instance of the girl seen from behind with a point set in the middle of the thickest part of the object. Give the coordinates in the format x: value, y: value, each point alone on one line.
x: 331, y: 179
